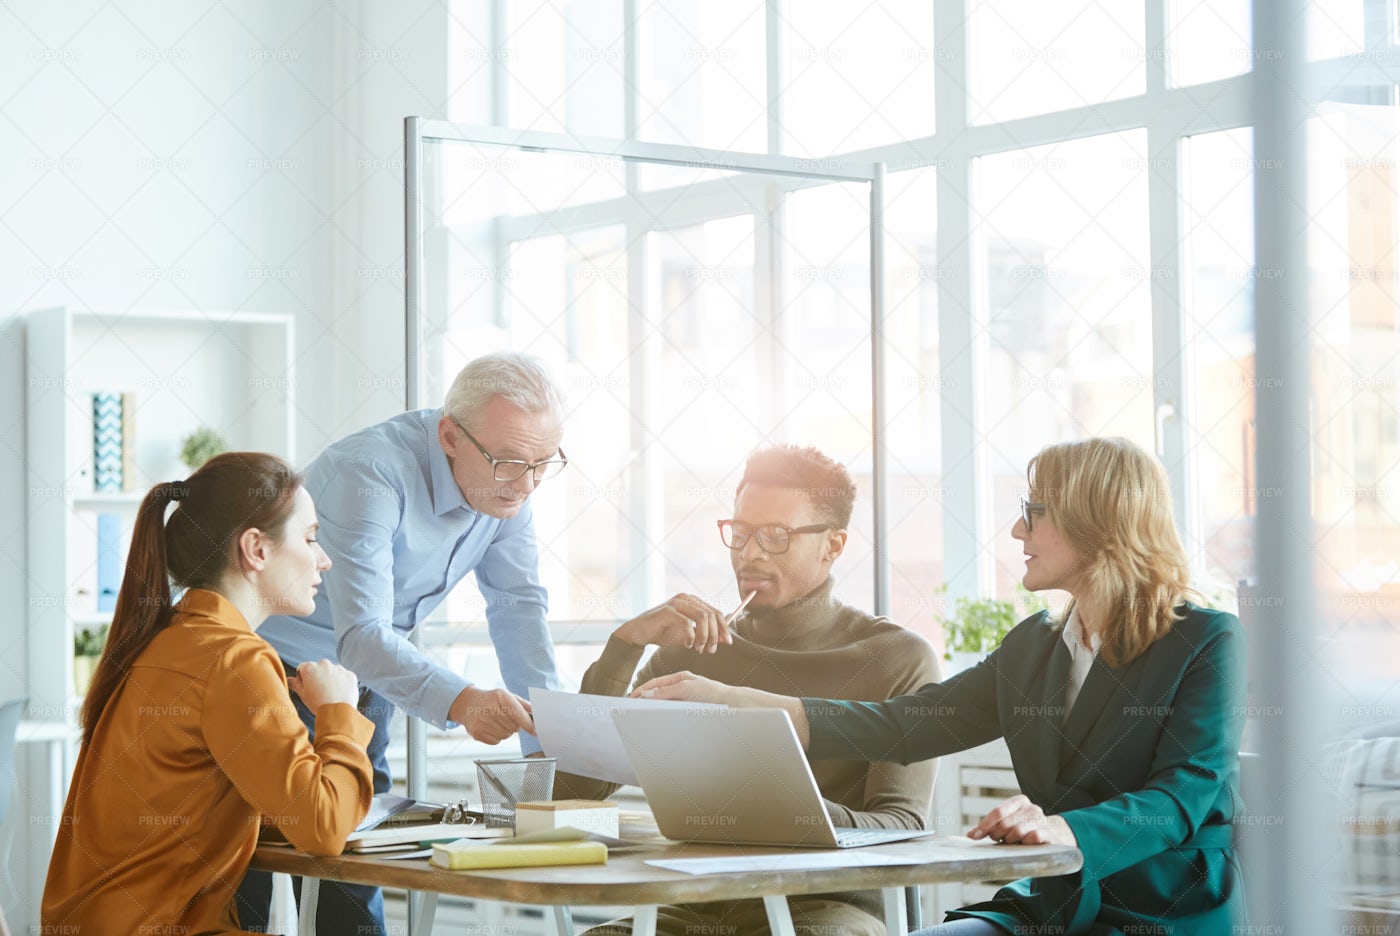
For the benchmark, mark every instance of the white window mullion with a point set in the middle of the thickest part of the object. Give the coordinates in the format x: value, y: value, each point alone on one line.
x: 770, y: 229
x: 1172, y: 356
x: 962, y: 334
x: 773, y: 28
x: 500, y: 73
x: 646, y: 491
x: 1154, y: 35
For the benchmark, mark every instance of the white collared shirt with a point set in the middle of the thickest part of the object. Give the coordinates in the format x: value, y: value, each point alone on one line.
x: 1080, y: 659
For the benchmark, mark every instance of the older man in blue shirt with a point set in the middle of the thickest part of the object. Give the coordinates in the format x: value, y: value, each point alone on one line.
x: 407, y: 508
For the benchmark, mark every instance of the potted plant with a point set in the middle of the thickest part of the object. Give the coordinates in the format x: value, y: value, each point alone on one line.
x: 87, y: 650
x: 200, y: 446
x: 976, y: 627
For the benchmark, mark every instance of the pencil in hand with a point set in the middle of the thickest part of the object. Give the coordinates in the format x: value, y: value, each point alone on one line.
x: 739, y: 610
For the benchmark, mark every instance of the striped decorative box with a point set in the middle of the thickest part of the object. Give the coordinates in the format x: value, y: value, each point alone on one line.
x: 113, y: 442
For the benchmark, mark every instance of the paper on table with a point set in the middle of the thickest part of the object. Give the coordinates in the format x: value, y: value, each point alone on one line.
x: 578, y: 729
x: 847, y: 858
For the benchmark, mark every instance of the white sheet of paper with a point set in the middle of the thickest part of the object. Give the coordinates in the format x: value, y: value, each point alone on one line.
x: 578, y: 729
x: 846, y: 858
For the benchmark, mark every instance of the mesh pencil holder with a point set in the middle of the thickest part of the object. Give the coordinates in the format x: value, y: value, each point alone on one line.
x: 510, y: 780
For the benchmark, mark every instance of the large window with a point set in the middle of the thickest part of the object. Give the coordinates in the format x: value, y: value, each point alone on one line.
x: 1066, y: 288
x: 875, y: 63
x: 1063, y: 244
x: 913, y: 393
x: 701, y: 74
x: 1026, y: 57
x: 564, y: 63
x: 1069, y: 252
x: 1208, y: 39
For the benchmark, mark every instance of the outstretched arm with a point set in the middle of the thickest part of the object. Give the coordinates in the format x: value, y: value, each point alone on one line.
x: 685, y: 686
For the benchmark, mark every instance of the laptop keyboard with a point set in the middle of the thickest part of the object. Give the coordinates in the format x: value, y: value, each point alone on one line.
x: 854, y: 838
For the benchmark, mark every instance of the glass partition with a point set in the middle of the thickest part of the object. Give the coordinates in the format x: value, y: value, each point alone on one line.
x: 690, y: 324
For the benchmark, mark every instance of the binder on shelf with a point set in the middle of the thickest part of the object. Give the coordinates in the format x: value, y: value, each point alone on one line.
x: 82, y: 549
x: 109, y: 560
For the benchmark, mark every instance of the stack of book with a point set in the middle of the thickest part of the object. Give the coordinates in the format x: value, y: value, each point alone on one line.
x: 413, y: 829
x: 464, y: 855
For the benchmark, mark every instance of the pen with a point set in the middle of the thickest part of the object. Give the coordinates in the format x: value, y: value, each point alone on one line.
x: 500, y: 787
x: 739, y: 610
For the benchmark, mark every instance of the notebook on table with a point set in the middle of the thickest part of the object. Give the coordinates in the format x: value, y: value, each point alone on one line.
x: 733, y: 776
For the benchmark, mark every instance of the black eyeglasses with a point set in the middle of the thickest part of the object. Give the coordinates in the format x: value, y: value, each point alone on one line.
x: 512, y: 469
x: 772, y: 538
x: 1029, y: 511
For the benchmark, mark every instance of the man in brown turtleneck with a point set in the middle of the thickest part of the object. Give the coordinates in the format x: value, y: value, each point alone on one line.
x: 790, y: 515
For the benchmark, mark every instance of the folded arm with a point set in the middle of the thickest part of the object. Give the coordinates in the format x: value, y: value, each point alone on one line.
x: 314, y: 793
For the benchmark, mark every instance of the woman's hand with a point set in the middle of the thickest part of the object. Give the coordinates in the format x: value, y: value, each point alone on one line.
x: 685, y: 686
x: 1018, y: 821
x: 323, y: 683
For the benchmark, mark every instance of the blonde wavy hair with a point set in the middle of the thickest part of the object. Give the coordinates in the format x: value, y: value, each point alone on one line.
x: 1112, y: 502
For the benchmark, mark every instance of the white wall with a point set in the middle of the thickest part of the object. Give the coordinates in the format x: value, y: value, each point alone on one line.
x: 391, y: 63
x: 158, y: 155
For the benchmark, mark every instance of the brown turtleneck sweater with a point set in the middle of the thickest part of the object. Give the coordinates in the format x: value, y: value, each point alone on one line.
x: 815, y: 647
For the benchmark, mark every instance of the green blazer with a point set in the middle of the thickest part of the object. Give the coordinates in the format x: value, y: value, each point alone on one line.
x: 1145, y: 770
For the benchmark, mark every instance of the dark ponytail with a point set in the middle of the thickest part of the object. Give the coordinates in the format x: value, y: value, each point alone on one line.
x: 231, y: 493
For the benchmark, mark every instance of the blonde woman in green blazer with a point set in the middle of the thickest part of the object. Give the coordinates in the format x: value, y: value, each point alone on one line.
x: 1123, y: 714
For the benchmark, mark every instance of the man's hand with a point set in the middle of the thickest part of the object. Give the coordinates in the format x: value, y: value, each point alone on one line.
x: 492, y: 715
x: 1018, y: 821
x: 684, y: 621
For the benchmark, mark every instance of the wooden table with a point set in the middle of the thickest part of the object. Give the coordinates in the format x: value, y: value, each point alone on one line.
x: 627, y: 880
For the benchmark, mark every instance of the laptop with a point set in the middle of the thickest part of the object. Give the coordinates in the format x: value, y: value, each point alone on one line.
x: 733, y: 776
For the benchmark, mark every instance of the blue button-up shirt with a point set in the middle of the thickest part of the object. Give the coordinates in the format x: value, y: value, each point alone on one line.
x: 400, y: 536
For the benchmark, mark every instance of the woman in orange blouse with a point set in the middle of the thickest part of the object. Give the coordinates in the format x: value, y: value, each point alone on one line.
x: 190, y: 740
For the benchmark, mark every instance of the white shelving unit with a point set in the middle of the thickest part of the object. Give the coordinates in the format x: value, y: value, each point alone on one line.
x: 233, y: 372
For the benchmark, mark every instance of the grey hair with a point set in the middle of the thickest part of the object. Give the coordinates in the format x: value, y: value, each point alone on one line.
x: 520, y: 379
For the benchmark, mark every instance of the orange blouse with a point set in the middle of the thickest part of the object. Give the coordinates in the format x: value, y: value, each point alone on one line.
x: 196, y: 746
